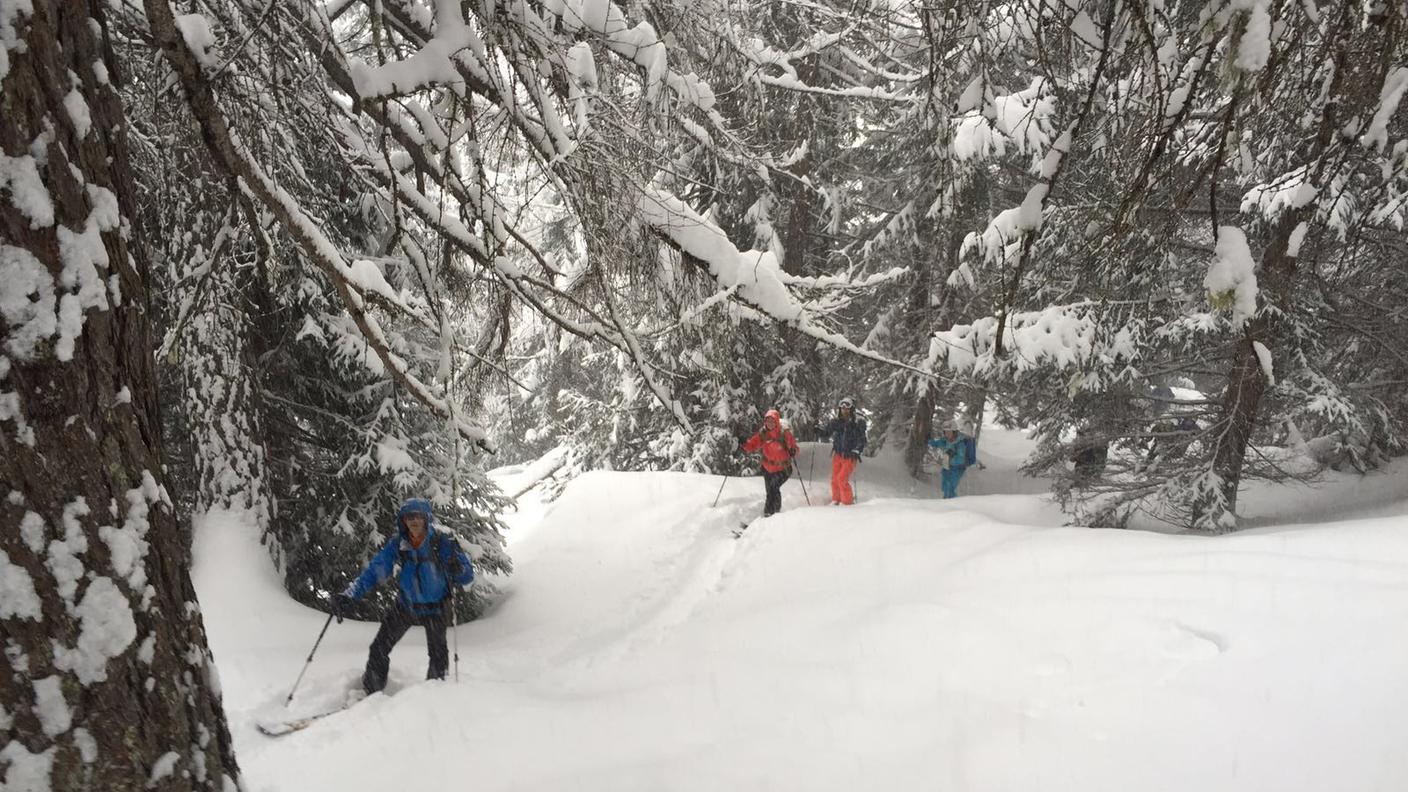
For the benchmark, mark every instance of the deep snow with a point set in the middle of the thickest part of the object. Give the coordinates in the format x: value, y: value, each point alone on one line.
x: 903, y: 643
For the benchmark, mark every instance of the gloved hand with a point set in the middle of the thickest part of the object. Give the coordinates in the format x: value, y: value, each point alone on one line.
x: 792, y: 452
x: 341, y: 604
x: 855, y: 456
x: 455, y: 568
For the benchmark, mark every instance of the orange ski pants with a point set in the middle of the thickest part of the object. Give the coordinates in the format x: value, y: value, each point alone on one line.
x: 841, y: 469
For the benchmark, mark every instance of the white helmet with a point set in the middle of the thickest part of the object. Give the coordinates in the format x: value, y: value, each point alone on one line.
x: 847, y: 402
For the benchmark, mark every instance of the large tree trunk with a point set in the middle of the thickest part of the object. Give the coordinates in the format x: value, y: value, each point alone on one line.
x: 1246, y: 382
x: 922, y: 317
x: 918, y: 427
x: 921, y: 428
x: 796, y: 195
x: 112, y: 685
x: 796, y: 229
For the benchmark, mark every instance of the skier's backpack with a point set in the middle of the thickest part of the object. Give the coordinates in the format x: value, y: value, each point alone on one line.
x: 970, y: 450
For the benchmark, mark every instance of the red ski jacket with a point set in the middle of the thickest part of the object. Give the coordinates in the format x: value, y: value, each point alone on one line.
x: 777, y: 444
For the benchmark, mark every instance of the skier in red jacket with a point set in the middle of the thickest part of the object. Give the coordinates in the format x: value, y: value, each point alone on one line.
x: 778, y: 447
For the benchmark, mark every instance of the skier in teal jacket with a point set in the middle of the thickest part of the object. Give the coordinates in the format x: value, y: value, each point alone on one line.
x: 956, y: 452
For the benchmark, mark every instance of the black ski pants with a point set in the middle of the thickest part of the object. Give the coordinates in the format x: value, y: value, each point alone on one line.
x: 772, y: 482
x: 393, y: 627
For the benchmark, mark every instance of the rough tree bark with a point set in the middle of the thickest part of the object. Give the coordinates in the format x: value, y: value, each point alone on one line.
x: 920, y: 426
x: 1246, y: 382
x: 111, y: 683
x: 922, y: 316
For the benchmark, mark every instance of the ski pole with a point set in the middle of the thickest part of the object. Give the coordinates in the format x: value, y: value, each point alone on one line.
x: 811, y: 466
x: 455, y: 621
x: 720, y: 492
x: 802, y: 482
x: 309, y: 661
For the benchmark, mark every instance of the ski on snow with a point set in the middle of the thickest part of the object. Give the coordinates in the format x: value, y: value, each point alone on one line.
x: 278, y: 728
x: 743, y: 525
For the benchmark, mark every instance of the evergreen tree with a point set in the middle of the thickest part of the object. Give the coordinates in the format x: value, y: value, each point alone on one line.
x: 282, y: 408
x: 1121, y: 273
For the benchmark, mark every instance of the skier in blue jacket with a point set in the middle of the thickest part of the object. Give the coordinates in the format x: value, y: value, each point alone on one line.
x: 955, y: 455
x: 430, y: 562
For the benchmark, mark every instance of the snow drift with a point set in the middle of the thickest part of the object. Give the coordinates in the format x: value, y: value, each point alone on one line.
x: 896, y: 644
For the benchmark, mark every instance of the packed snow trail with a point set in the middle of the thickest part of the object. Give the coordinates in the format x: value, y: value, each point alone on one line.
x: 897, y: 644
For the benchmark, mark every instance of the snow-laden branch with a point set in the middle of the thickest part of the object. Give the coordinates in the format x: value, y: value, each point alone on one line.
x: 1231, y: 278
x: 1395, y: 85
x: 1060, y: 336
x: 988, y: 123
x: 226, y: 148
x: 609, y: 329
x: 753, y: 277
x: 432, y: 65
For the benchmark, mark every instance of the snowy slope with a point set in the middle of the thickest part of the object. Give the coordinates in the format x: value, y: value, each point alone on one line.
x: 903, y: 643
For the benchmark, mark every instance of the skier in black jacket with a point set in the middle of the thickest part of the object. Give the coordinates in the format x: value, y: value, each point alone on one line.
x: 847, y: 431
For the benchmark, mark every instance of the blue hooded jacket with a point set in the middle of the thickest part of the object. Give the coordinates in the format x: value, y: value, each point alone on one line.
x: 425, y: 571
x: 962, y: 450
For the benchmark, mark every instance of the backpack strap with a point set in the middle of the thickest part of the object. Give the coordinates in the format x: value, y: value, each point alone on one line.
x: 437, y: 545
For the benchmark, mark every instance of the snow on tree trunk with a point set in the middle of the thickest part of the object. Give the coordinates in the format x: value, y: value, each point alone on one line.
x: 1247, y: 381
x: 112, y: 686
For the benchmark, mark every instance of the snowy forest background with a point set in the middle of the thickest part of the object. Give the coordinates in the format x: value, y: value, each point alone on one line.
x: 628, y: 231
x: 311, y: 258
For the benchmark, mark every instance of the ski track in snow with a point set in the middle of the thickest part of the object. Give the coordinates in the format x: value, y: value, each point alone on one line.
x: 683, y: 580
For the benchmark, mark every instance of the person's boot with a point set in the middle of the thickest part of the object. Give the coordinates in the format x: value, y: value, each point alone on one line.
x: 372, y: 683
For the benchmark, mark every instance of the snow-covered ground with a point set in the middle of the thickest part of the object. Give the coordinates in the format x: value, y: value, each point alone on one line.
x: 902, y: 643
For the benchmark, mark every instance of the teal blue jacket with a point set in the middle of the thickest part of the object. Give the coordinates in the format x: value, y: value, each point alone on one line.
x: 427, y: 572
x: 960, y: 451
